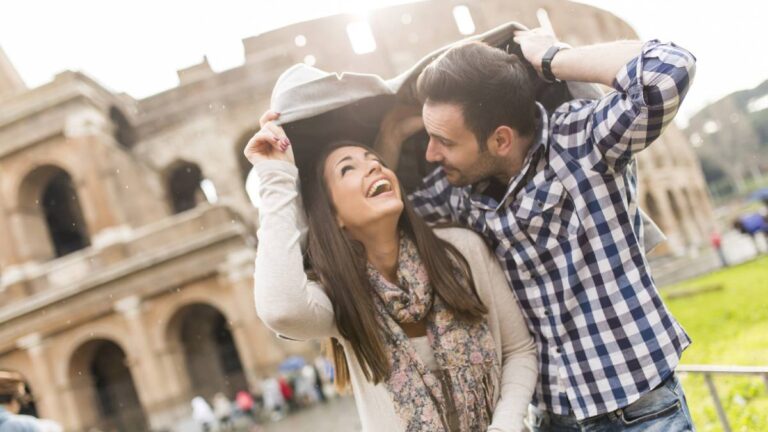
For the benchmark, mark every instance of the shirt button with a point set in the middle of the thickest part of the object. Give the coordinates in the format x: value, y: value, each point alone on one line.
x: 558, y: 350
x: 540, y: 204
x: 547, y: 312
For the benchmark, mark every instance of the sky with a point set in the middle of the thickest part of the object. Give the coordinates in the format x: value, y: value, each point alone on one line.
x: 137, y: 46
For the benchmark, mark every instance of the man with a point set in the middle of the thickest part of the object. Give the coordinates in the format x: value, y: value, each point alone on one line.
x: 555, y: 196
x: 13, y: 397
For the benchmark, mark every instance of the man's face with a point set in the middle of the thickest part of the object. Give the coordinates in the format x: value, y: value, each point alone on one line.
x: 454, y: 146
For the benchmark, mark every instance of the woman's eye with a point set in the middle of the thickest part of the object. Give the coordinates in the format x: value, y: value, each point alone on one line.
x: 344, y: 169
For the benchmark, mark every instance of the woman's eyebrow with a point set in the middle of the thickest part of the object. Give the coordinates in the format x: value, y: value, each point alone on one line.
x: 343, y: 159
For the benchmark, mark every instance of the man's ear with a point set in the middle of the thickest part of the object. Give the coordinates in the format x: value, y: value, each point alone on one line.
x: 502, y: 141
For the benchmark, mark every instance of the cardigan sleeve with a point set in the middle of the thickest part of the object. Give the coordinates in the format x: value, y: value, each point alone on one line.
x: 286, y: 301
x: 519, y: 359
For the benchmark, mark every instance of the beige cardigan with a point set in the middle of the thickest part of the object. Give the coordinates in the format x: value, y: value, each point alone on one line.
x: 297, y: 308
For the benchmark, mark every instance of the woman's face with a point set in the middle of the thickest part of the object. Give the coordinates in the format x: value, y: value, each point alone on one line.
x: 363, y: 191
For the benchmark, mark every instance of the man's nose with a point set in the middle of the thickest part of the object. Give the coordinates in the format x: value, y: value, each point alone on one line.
x: 432, y: 154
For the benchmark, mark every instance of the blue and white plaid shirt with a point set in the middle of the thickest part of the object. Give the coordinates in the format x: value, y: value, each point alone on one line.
x: 571, y: 240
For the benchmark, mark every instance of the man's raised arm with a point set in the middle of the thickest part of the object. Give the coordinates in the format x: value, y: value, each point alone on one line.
x: 651, y: 79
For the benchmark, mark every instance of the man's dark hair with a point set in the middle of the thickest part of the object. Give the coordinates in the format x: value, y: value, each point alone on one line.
x: 492, y: 87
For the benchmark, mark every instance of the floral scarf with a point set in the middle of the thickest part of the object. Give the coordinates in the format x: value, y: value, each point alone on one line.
x: 464, y: 351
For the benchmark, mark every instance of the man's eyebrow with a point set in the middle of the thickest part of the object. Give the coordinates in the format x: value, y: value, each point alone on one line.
x: 441, y: 138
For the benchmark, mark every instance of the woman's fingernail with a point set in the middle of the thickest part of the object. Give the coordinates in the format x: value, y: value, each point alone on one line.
x: 288, y: 141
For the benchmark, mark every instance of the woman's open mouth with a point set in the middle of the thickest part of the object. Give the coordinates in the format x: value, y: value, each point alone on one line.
x: 379, y: 187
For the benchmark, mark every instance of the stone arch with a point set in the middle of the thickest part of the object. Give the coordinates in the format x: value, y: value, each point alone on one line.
x: 123, y: 132
x: 201, y: 342
x: 79, y: 336
x: 102, y: 385
x: 183, y: 179
x: 50, y: 209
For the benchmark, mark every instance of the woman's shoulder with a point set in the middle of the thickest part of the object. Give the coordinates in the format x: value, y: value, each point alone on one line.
x: 463, y: 239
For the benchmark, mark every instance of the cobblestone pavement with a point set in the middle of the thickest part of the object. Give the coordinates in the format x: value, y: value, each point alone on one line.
x: 338, y: 415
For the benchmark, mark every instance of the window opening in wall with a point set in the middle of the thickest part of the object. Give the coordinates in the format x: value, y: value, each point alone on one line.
x: 63, y: 215
x: 361, y: 37
x: 184, y: 185
x: 464, y: 21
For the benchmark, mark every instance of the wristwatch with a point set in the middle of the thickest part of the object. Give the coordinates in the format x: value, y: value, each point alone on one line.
x: 546, y: 62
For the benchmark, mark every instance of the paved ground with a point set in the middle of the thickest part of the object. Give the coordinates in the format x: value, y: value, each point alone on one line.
x: 338, y: 415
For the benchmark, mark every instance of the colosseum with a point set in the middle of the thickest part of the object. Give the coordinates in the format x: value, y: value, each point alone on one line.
x: 128, y: 236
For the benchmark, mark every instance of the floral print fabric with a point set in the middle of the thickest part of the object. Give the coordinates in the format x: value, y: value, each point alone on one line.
x: 465, y: 353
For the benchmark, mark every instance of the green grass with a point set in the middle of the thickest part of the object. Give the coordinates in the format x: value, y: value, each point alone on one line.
x: 728, y: 327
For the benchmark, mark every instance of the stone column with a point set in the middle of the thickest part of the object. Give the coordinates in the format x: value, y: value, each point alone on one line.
x: 689, y: 222
x: 146, y: 371
x: 44, y: 389
x: 668, y: 221
x: 248, y: 331
x: 699, y: 211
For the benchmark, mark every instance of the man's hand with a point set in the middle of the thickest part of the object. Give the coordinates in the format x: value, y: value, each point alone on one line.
x: 270, y: 142
x: 534, y: 44
x: 397, y: 125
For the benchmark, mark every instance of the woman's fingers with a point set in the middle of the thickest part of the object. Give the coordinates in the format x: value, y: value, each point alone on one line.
x: 268, y: 116
x: 262, y: 143
x: 277, y: 131
x: 270, y: 142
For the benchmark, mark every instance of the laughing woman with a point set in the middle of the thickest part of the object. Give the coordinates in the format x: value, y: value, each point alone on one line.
x: 422, y: 323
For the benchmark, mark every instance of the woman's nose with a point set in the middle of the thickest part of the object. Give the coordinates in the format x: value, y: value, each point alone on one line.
x: 373, y: 167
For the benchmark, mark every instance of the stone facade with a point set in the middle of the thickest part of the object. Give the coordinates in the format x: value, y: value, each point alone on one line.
x: 121, y: 285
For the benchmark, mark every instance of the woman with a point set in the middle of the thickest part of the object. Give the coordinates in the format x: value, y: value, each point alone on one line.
x: 422, y: 323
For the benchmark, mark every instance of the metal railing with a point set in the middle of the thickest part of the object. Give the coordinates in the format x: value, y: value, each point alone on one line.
x: 709, y: 370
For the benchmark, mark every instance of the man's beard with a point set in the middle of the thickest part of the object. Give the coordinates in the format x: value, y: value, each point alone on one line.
x: 459, y: 178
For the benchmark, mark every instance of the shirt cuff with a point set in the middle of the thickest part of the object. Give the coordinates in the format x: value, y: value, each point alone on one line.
x: 654, y: 64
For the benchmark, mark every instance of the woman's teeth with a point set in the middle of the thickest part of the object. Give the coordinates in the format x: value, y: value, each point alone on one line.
x: 378, y: 187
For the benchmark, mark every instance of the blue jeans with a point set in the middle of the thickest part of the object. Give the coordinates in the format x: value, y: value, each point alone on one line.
x: 663, y: 409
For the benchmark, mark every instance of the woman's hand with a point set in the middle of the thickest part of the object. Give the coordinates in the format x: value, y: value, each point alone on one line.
x: 270, y: 142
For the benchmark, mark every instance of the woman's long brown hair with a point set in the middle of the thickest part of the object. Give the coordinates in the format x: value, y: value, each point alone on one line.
x: 339, y: 263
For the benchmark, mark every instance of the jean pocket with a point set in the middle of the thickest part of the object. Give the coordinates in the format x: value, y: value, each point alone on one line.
x: 659, y: 403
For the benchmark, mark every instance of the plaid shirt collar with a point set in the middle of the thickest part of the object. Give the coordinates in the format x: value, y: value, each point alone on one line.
x: 530, y: 167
